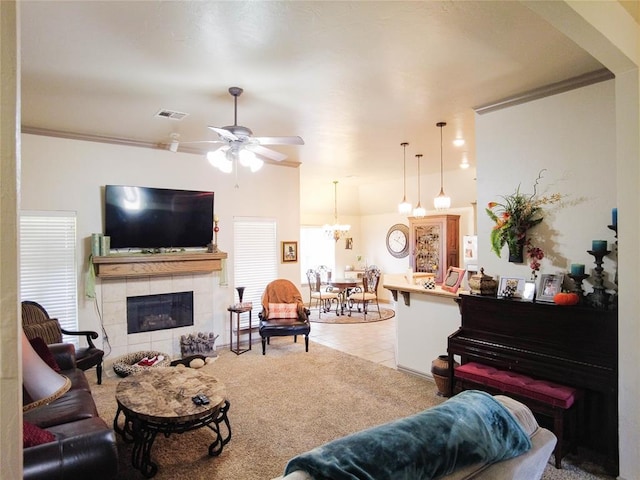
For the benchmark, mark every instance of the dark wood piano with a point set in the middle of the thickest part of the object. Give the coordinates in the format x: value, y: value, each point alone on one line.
x: 574, y: 346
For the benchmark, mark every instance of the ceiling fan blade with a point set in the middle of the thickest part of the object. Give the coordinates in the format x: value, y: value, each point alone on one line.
x: 279, y: 140
x: 226, y: 134
x: 204, y: 141
x: 267, y: 152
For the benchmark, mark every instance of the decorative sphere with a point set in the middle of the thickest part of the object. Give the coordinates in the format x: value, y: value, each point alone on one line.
x: 216, y: 229
x: 196, y: 363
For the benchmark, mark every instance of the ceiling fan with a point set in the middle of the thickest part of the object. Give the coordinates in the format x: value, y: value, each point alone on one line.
x: 239, y: 143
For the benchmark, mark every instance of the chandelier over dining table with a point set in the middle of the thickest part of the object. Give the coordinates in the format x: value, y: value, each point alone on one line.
x: 337, y: 230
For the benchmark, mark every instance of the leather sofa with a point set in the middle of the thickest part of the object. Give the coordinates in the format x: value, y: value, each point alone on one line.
x: 527, y: 466
x: 84, y: 445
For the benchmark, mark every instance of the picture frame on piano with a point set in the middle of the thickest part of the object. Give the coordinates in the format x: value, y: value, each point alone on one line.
x: 550, y: 285
x: 511, y: 287
x: 529, y: 293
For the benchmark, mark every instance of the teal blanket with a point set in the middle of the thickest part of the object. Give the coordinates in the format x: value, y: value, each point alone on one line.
x: 469, y: 428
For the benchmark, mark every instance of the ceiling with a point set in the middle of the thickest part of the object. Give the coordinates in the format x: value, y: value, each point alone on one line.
x: 354, y: 79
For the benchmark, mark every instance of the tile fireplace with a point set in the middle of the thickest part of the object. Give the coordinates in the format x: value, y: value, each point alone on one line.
x: 115, y: 295
x: 147, y: 313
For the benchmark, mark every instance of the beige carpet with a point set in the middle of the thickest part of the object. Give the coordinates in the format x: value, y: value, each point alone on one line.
x: 283, y: 404
x: 356, y: 317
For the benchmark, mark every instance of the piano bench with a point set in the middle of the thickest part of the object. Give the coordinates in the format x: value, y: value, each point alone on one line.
x: 541, y: 396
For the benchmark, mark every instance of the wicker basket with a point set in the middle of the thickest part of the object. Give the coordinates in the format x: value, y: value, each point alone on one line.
x: 128, y: 364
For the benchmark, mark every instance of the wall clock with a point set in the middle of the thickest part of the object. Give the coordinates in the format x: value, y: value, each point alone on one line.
x: 398, y: 240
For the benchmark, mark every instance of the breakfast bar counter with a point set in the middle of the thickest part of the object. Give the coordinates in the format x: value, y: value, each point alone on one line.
x: 425, y: 318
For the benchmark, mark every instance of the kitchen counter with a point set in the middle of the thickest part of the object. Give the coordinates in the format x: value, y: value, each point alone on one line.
x: 425, y: 318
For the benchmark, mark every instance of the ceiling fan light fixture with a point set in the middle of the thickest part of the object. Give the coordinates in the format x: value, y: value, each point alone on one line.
x: 256, y: 164
x: 219, y: 159
x: 404, y: 208
x: 247, y: 157
x: 442, y: 201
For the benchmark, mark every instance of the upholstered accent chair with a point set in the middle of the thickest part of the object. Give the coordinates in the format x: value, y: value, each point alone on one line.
x: 37, y: 323
x: 283, y: 313
x: 362, y: 296
x: 322, y: 295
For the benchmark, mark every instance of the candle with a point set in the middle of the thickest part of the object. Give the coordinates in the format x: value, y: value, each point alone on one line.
x: 614, y: 216
x: 577, y: 269
x: 599, y: 245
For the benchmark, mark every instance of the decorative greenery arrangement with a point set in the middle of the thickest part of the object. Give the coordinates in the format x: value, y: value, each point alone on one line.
x: 518, y: 213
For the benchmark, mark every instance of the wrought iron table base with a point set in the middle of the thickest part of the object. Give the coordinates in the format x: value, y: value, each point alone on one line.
x: 142, y: 433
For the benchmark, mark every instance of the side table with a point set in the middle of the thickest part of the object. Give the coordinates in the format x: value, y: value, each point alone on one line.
x: 238, y: 310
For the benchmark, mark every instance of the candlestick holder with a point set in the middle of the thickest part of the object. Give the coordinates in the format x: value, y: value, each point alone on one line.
x: 577, y: 284
x: 213, y: 247
x: 599, y: 298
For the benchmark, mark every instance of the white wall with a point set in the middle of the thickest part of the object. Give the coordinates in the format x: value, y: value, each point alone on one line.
x: 62, y: 174
x: 573, y: 137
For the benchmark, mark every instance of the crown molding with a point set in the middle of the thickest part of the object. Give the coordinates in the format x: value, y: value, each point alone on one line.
x: 131, y: 143
x: 546, y: 91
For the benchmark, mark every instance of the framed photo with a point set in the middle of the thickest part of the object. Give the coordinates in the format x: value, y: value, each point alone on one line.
x: 453, y: 279
x: 470, y: 249
x: 550, y: 284
x: 529, y: 292
x: 511, y: 287
x: 348, y: 243
x: 289, y: 252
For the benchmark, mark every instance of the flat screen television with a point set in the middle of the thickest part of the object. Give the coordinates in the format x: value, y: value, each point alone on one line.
x: 150, y: 218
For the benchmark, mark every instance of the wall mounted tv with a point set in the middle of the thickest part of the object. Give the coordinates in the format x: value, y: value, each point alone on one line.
x: 150, y: 218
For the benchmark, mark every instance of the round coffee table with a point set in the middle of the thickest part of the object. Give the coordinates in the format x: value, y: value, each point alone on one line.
x: 159, y: 400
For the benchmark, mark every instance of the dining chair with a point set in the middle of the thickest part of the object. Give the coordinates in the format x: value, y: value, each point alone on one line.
x: 323, y: 295
x: 367, y: 293
x: 325, y: 278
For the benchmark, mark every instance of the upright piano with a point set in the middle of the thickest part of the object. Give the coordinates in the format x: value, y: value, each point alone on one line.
x: 571, y: 345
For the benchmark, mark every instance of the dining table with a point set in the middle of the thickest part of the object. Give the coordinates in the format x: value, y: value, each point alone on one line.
x: 344, y: 285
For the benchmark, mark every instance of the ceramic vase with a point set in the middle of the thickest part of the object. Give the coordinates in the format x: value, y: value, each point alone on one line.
x: 516, y: 252
x: 440, y: 372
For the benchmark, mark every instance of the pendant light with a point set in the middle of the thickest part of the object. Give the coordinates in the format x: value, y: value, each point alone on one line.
x: 404, y: 208
x: 419, y: 211
x: 441, y: 202
x: 336, y: 230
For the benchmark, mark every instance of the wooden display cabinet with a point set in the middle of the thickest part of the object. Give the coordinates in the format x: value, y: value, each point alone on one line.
x: 434, y: 244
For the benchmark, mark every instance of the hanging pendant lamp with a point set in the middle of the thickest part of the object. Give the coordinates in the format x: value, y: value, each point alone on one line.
x: 336, y: 230
x: 404, y: 208
x: 441, y: 202
x: 419, y: 211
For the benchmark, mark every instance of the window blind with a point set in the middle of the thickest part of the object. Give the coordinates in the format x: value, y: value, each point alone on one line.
x: 255, y: 261
x: 48, y: 273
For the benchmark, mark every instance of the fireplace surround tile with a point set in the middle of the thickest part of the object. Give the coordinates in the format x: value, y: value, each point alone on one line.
x: 114, y: 293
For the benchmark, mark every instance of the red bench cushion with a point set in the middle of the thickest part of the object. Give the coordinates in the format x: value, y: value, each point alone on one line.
x: 518, y: 384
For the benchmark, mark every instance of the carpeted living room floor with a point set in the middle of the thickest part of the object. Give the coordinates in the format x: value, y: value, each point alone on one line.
x: 287, y: 402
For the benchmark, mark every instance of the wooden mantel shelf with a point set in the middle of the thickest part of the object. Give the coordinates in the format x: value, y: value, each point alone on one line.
x: 148, y: 265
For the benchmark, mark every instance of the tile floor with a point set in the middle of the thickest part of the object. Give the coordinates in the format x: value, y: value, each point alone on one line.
x: 374, y: 341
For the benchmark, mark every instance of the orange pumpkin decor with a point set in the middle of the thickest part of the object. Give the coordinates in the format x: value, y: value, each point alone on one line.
x: 566, y: 298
